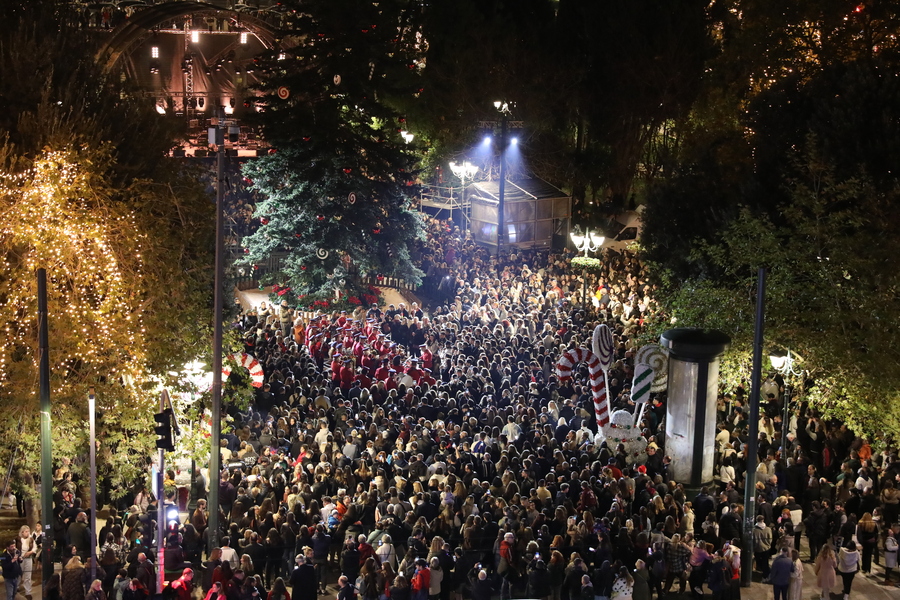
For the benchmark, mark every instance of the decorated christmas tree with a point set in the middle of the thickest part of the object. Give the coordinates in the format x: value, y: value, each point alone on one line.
x: 336, y: 185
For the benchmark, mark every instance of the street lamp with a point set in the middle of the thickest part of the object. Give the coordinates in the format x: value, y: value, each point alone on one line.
x: 587, y: 242
x: 505, y: 112
x: 464, y: 171
x: 784, y: 364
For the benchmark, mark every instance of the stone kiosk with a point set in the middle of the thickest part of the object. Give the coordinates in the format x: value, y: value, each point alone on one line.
x: 691, y: 409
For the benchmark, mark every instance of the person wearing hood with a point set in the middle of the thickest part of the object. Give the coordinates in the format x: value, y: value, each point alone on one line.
x: 538, y: 580
x: 762, y: 545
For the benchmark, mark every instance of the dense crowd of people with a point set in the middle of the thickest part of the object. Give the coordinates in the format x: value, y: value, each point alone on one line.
x: 404, y: 454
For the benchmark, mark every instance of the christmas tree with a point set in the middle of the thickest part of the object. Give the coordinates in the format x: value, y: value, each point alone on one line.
x: 337, y: 182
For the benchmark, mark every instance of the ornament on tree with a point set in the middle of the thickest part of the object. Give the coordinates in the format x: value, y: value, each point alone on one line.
x: 298, y: 235
x: 351, y: 198
x: 348, y: 170
x: 376, y: 231
x: 284, y: 93
x: 246, y: 250
x: 271, y: 150
x: 261, y: 287
x: 322, y: 253
x: 338, y: 218
x: 337, y: 80
x: 306, y: 138
x: 320, y: 217
x: 264, y: 221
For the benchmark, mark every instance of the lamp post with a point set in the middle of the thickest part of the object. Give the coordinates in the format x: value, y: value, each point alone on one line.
x: 218, y: 300
x: 92, y: 421
x: 587, y: 242
x: 503, y: 107
x: 785, y: 366
x: 464, y: 171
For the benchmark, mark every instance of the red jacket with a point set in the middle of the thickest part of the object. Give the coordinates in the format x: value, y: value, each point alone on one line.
x: 421, y: 580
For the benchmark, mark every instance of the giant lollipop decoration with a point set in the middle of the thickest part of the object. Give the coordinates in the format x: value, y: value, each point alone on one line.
x: 640, y: 388
x: 658, y: 359
x: 602, y: 344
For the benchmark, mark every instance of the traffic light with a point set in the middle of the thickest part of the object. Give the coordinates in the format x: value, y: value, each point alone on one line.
x: 164, y: 430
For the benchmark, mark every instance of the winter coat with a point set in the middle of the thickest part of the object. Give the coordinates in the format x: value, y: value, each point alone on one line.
x: 641, y: 589
x: 825, y: 573
x: 890, y: 552
x: 72, y: 588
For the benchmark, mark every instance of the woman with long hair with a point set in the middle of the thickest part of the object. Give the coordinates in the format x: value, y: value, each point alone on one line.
x: 867, y: 534
x: 28, y: 548
x: 556, y: 572
x: 95, y: 592
x: 72, y: 587
x: 623, y: 585
x: 216, y: 592
x: 795, y: 591
x: 279, y: 591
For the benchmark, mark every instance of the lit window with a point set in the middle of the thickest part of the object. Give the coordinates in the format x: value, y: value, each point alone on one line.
x: 243, y: 37
x: 154, y: 52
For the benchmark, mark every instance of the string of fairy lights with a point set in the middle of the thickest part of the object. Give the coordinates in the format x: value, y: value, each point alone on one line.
x: 56, y: 215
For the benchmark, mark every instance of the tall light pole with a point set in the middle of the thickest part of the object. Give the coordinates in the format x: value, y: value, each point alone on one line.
x: 753, y: 436
x: 47, y: 517
x: 218, y: 299
x: 503, y: 107
x: 785, y: 366
x: 464, y: 171
x: 587, y: 242
x: 92, y: 426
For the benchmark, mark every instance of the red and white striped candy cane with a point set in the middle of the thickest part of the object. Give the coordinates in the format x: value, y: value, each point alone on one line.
x: 566, y: 364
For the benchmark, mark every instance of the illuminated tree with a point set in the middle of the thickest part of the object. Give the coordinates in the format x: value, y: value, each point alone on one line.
x: 336, y: 190
x: 60, y: 215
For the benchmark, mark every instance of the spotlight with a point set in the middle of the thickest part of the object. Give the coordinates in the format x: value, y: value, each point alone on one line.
x: 154, y: 52
x: 514, y: 141
x: 486, y: 141
x: 161, y: 109
x: 195, y: 36
x: 243, y: 37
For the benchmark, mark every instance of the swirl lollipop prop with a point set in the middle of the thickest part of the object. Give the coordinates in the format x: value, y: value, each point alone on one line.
x: 658, y: 359
x: 602, y: 344
x: 640, y: 388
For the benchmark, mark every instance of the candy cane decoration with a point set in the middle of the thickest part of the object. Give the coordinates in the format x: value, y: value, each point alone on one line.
x: 247, y: 361
x: 566, y: 364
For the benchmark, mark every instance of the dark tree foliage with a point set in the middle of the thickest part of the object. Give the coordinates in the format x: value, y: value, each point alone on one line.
x: 337, y: 182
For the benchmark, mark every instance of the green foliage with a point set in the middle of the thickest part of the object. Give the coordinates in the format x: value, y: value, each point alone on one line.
x: 587, y: 263
x: 335, y: 192
x: 123, y: 231
x: 830, y: 290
